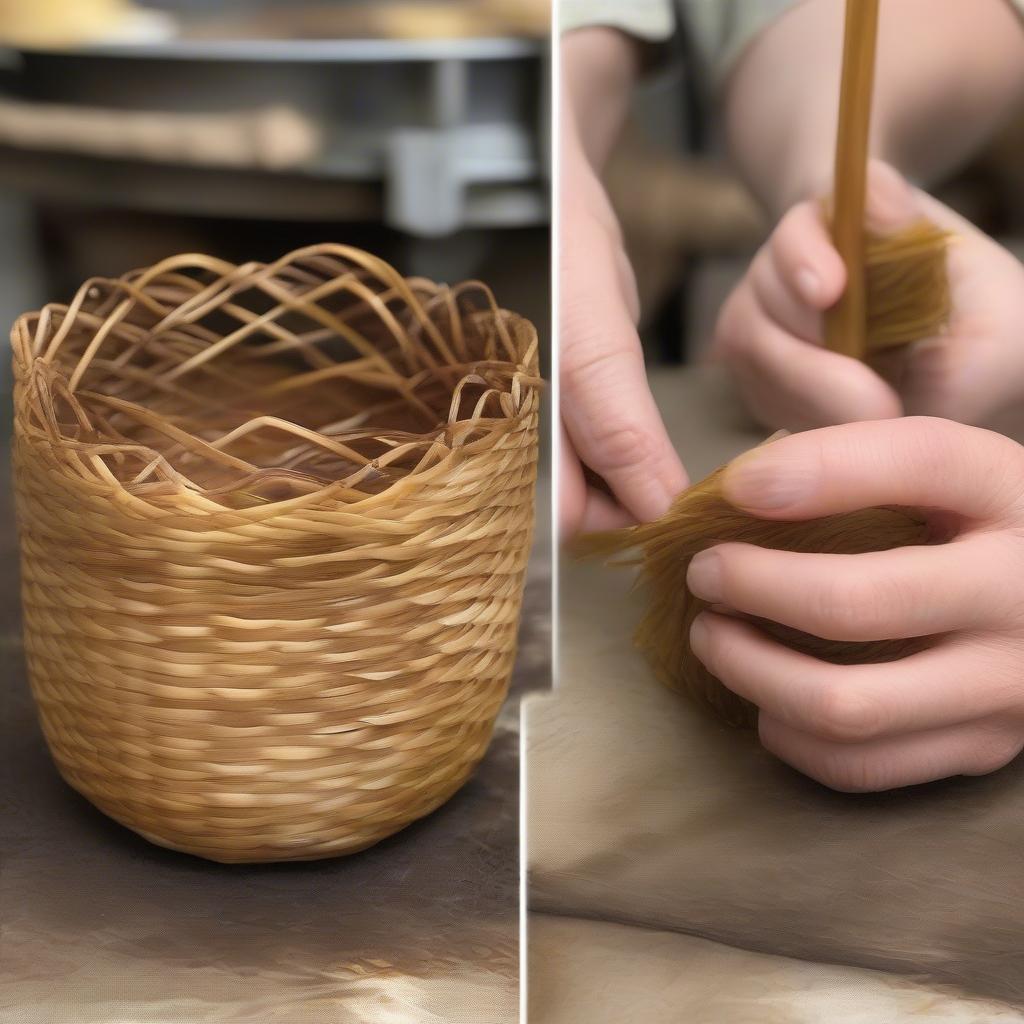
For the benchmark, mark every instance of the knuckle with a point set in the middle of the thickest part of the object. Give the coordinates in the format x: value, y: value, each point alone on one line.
x: 618, y: 446
x: 596, y: 369
x: 845, y: 715
x: 581, y: 335
x: 927, y: 447
x: 993, y: 463
x: 855, y: 607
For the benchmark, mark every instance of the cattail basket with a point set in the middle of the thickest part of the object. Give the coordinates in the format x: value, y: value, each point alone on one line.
x: 274, y: 525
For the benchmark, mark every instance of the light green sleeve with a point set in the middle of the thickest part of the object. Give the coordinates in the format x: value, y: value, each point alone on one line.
x: 651, y: 20
x: 720, y: 30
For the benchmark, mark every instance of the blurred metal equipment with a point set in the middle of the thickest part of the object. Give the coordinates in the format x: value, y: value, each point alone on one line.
x: 428, y: 135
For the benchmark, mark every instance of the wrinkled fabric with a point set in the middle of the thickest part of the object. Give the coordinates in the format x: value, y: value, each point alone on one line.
x: 588, y: 972
x: 643, y: 811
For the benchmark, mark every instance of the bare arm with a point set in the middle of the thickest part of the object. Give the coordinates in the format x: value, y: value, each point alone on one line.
x: 599, y: 69
x: 948, y: 73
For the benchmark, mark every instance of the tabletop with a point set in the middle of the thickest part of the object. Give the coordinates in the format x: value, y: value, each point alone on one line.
x: 100, y: 927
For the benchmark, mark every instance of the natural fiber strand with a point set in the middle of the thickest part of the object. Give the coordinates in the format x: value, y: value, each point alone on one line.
x: 274, y: 526
x: 907, y: 288
x: 844, y: 323
x: 700, y: 518
x: 896, y: 290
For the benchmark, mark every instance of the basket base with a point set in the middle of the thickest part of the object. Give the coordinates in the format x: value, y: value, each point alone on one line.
x: 303, y: 848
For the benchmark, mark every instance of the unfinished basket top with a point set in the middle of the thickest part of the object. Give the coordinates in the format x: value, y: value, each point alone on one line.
x: 200, y: 382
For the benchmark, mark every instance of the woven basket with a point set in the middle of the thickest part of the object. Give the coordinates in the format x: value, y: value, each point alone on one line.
x: 274, y: 525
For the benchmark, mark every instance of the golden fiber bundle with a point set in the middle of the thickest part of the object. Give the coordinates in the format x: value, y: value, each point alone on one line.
x: 700, y: 518
x: 274, y: 525
x: 896, y: 288
x: 907, y: 289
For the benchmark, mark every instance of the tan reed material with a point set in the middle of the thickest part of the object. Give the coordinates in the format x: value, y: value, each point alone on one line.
x: 844, y: 323
x: 700, y: 518
x: 907, y: 288
x: 896, y: 285
x: 274, y: 526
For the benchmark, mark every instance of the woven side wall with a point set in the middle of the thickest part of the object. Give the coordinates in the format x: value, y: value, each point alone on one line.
x: 291, y: 680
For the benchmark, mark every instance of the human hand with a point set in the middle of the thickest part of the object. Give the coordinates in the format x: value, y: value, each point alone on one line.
x: 956, y: 708
x: 770, y: 329
x: 611, y: 424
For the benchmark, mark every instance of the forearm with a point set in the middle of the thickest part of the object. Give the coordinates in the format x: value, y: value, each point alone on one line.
x: 599, y: 68
x: 947, y: 73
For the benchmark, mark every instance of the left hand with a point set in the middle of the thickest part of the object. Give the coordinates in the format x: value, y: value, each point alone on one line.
x: 770, y: 332
x: 956, y: 708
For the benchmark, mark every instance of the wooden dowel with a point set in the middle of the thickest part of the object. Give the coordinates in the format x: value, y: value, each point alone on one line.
x: 845, y: 323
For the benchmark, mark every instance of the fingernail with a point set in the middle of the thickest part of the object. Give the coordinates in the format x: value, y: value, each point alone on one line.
x: 808, y: 284
x: 699, y: 637
x: 704, y: 576
x: 760, y: 481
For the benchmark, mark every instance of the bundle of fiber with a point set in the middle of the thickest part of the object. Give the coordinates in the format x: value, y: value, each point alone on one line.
x: 700, y: 518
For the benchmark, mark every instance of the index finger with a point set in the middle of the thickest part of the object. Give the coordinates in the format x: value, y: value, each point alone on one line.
x: 916, y: 461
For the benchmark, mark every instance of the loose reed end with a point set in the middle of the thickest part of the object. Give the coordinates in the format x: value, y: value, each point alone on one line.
x: 700, y: 518
x: 907, y: 286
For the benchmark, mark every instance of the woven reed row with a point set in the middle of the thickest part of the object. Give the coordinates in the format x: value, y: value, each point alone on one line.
x: 274, y: 525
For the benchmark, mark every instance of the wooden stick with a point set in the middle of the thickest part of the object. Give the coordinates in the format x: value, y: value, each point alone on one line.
x: 845, y: 323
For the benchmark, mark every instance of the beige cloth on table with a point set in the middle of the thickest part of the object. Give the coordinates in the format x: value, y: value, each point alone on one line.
x: 644, y: 813
x: 597, y: 972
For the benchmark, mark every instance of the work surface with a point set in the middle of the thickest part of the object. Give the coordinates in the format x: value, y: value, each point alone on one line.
x: 100, y: 927
x: 662, y: 825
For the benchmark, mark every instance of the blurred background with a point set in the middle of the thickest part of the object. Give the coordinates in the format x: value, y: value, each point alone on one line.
x: 692, y: 228
x: 244, y: 128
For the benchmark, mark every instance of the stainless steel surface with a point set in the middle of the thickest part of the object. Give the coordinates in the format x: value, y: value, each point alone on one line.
x: 301, y: 51
x: 449, y: 130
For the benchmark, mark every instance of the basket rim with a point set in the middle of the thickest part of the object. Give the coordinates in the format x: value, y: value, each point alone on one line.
x: 104, y: 304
